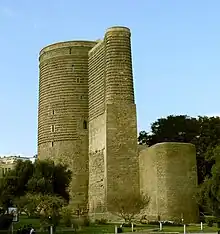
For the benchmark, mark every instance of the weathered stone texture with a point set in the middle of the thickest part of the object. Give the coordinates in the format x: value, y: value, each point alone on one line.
x: 97, y: 81
x: 113, y: 152
x: 84, y: 81
x: 97, y: 164
x: 63, y: 110
x: 97, y: 129
x: 119, y: 78
x: 87, y: 119
x: 75, y: 156
x: 168, y: 174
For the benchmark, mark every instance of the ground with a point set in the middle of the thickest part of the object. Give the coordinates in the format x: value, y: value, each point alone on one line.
x: 109, y: 228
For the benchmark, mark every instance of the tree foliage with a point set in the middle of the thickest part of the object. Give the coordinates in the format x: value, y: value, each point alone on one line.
x: 46, y: 207
x: 203, y: 132
x: 210, y: 192
x: 49, y: 178
x: 42, y: 177
x: 15, y: 183
x: 127, y: 205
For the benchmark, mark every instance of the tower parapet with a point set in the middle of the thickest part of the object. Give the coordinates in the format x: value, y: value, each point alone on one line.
x: 119, y: 77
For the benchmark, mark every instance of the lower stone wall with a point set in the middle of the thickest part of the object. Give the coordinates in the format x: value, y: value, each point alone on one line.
x: 168, y: 174
x: 111, y: 218
x: 75, y: 155
x: 97, y: 177
x: 122, y: 152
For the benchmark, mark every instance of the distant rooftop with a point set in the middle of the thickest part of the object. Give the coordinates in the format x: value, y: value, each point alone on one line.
x: 11, y: 159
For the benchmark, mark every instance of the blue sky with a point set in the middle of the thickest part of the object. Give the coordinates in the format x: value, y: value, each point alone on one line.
x: 176, y: 56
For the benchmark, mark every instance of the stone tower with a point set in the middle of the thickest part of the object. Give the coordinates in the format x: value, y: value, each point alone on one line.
x: 87, y: 115
x: 113, y: 156
x: 63, y: 110
x: 168, y: 174
x: 87, y: 120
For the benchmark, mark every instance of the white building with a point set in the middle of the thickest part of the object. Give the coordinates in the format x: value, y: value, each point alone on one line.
x: 7, y: 163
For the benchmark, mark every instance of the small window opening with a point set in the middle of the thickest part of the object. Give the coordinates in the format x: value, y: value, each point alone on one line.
x: 84, y: 124
x: 52, y: 144
x: 53, y: 112
x: 52, y: 128
x: 72, y: 68
x: 77, y: 80
x: 70, y: 50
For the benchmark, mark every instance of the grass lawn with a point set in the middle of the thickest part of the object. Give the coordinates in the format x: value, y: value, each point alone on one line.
x: 191, y: 228
x: 24, y: 220
x: 93, y: 228
x: 109, y: 228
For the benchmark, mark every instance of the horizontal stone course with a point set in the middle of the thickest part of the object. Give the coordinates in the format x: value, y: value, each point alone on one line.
x: 87, y: 119
x: 168, y: 175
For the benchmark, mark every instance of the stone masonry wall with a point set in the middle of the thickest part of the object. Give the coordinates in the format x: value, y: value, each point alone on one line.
x: 168, y: 174
x: 122, y: 167
x: 87, y: 120
x: 97, y: 126
x: 97, y: 163
x: 121, y: 153
x: 63, y: 110
x: 113, y: 157
x: 97, y: 81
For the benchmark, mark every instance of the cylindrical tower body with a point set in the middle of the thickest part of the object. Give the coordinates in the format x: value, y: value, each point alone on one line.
x: 119, y: 78
x: 168, y: 174
x: 63, y: 110
x: 121, y: 124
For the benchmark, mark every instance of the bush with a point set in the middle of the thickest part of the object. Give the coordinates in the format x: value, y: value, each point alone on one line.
x: 119, y: 230
x: 101, y: 221
x: 166, y: 223
x: 127, y: 225
x: 86, y: 222
x: 144, y: 221
x: 67, y: 222
x: 153, y: 222
x: 5, y: 221
x: 210, y: 220
x: 34, y: 216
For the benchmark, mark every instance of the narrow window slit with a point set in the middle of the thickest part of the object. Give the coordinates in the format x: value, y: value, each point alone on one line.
x: 84, y: 124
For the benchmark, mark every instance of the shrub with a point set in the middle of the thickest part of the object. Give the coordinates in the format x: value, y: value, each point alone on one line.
x: 119, y: 230
x: 144, y: 221
x: 86, y: 222
x: 166, y: 223
x: 210, y: 220
x: 127, y: 225
x: 101, y: 221
x: 5, y: 221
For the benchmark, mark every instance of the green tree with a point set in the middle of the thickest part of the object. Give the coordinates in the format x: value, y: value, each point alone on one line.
x: 14, y: 184
x: 127, y: 205
x: 209, y: 195
x: 180, y: 128
x: 203, y: 132
x: 49, y: 178
x: 47, y: 207
x: 42, y: 177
